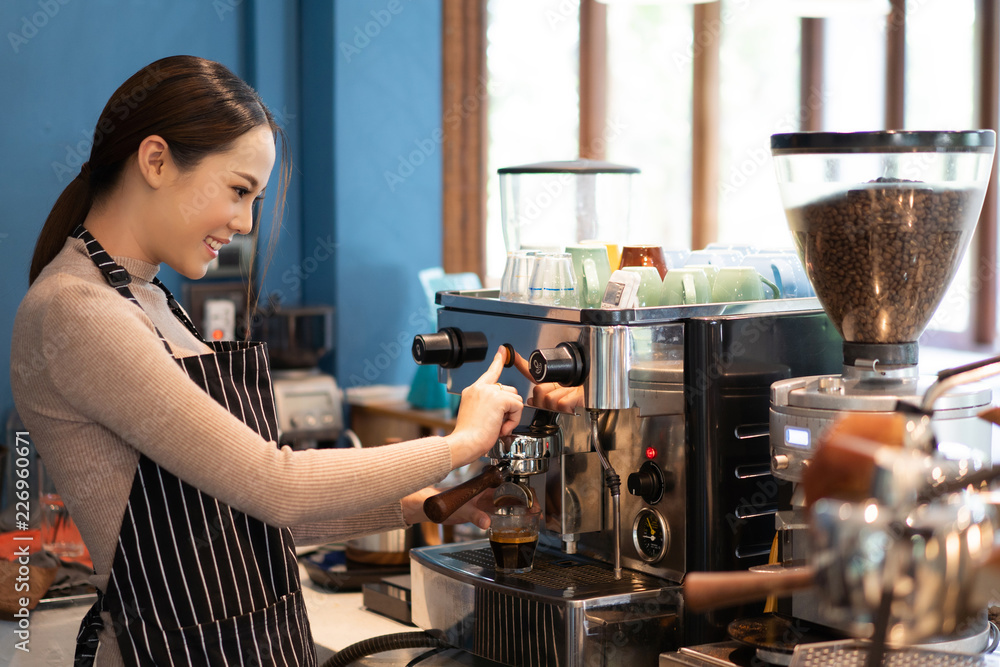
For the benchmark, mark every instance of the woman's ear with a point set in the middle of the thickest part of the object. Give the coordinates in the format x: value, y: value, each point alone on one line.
x: 153, y: 160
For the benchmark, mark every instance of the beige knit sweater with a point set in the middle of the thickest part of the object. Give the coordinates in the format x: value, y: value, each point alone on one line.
x: 95, y: 388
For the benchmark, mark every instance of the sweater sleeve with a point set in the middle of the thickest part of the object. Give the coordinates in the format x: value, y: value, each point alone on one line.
x: 121, y: 377
x: 378, y: 520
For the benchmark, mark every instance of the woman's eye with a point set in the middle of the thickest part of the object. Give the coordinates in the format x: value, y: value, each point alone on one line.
x: 241, y: 191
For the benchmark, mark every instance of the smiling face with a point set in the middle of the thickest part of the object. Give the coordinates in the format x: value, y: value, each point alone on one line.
x: 199, y: 210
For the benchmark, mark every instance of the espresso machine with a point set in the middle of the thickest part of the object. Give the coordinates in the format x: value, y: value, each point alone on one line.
x: 674, y: 409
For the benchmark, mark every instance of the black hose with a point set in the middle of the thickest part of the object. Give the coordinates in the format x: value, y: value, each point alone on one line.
x: 384, y: 643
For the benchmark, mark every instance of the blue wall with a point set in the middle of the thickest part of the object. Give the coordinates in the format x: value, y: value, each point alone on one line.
x: 61, y: 59
x: 387, y: 110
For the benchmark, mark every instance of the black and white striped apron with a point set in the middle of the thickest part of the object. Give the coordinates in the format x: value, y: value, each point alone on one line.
x: 193, y: 581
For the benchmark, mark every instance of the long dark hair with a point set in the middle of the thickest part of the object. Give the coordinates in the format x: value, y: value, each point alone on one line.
x: 198, y: 106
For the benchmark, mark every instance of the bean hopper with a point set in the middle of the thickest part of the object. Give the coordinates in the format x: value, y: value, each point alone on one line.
x: 881, y: 221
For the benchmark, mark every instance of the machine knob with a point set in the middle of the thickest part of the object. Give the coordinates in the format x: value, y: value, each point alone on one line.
x: 779, y: 462
x: 449, y: 347
x: 564, y: 364
x: 647, y: 483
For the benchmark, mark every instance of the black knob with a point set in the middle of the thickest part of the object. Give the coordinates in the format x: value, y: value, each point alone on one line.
x: 564, y: 364
x: 450, y: 347
x: 647, y: 483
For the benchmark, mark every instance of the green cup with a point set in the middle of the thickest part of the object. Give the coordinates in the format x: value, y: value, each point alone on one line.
x: 592, y: 269
x: 711, y: 270
x: 742, y: 283
x: 650, y: 285
x: 686, y: 286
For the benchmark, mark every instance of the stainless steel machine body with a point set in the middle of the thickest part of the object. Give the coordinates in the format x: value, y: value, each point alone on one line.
x: 680, y: 396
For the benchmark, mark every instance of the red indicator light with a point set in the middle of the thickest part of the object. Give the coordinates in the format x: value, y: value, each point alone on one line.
x: 217, y: 334
x: 651, y: 452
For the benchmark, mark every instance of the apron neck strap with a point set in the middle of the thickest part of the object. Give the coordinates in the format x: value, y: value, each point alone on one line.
x: 119, y: 278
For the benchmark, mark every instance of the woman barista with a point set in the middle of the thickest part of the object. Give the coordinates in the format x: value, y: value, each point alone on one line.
x: 163, y: 445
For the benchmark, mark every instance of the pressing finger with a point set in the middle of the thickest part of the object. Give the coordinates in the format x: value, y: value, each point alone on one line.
x: 522, y: 365
x: 492, y: 373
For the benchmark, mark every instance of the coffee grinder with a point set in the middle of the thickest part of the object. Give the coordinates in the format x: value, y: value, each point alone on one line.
x: 881, y: 221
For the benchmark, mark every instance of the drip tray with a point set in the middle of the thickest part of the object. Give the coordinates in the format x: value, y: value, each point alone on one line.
x: 854, y: 654
x: 553, y: 573
x: 545, y: 571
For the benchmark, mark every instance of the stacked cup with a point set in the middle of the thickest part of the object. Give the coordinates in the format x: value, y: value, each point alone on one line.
x: 553, y: 282
x: 578, y: 277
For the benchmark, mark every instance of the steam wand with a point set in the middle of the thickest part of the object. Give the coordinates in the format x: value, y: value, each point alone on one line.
x: 613, y: 482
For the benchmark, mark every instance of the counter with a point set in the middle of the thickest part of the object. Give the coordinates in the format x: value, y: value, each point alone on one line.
x: 338, y: 620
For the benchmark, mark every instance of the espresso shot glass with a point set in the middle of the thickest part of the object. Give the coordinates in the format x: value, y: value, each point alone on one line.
x: 513, y: 537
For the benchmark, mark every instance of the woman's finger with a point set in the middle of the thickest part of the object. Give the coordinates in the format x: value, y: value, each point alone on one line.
x: 492, y: 373
x: 521, y: 364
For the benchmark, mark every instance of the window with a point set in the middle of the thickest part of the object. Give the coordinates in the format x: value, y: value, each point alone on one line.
x: 707, y: 173
x: 532, y: 56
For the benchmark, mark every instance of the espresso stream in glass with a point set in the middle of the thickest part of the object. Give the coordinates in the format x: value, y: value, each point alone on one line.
x: 513, y: 537
x: 514, y: 552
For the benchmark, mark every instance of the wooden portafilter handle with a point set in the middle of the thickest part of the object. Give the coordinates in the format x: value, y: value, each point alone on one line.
x: 706, y: 591
x: 443, y: 505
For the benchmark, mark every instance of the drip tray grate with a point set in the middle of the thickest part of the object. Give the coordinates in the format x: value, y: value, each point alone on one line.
x: 558, y: 573
x: 854, y: 654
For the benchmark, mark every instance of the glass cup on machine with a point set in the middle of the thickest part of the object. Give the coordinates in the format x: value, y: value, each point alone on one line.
x: 553, y: 282
x: 513, y: 537
x: 517, y: 275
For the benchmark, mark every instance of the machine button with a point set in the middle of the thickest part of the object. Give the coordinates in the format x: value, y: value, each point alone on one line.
x: 449, y: 347
x: 564, y: 364
x: 779, y: 462
x: 648, y: 483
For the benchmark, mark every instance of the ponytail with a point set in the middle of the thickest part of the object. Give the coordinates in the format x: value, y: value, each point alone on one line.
x: 69, y: 211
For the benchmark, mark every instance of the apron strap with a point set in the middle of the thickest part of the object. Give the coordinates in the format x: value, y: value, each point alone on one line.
x: 89, y: 636
x: 115, y: 274
x: 178, y: 311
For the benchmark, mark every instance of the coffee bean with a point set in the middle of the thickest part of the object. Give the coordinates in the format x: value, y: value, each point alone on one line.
x: 881, y: 256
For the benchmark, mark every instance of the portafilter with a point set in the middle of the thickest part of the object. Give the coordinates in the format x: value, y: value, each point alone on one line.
x: 525, y: 451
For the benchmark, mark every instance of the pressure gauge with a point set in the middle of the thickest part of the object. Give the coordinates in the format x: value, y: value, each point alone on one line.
x: 650, y: 535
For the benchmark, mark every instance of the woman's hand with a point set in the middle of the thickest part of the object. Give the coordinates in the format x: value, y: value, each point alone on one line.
x: 475, y: 511
x: 550, y: 395
x: 488, y: 410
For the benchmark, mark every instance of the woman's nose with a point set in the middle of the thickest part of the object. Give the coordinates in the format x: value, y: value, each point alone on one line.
x: 243, y: 222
